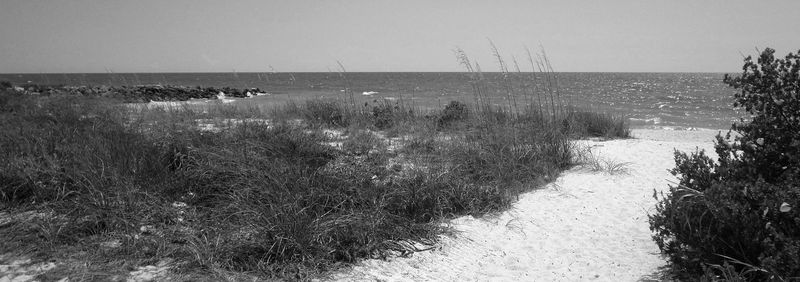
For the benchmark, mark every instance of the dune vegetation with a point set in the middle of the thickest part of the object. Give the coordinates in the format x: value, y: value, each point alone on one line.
x: 288, y: 192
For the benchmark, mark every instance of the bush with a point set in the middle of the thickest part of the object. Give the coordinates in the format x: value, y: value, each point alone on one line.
x: 384, y: 115
x: 741, y: 212
x: 455, y: 111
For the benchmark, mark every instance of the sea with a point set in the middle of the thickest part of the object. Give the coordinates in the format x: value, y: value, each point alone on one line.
x: 649, y: 100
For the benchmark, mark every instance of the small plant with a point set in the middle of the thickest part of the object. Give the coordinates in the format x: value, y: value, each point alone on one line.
x: 454, y: 111
x: 592, y: 162
x: 385, y: 114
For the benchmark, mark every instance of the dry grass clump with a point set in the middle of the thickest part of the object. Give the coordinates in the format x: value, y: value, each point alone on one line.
x: 587, y: 159
x: 584, y: 123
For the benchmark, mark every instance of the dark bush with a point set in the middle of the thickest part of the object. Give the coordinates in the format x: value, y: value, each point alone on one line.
x: 384, y: 115
x: 5, y: 85
x: 742, y: 211
x: 455, y: 111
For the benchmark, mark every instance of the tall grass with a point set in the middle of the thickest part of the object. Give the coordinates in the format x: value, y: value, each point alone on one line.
x: 536, y: 87
x: 269, y: 196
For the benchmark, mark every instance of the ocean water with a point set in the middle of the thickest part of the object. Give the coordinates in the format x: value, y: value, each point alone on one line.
x: 650, y: 100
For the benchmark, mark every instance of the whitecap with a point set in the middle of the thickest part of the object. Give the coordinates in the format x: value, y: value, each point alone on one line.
x: 368, y: 93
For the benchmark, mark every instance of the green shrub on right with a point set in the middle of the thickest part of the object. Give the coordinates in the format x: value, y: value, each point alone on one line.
x: 744, y: 210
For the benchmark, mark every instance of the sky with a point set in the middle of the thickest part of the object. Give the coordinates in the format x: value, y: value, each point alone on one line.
x: 54, y: 36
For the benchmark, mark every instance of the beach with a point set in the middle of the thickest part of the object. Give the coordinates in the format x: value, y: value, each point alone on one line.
x: 586, y: 225
x: 399, y: 141
x: 590, y: 223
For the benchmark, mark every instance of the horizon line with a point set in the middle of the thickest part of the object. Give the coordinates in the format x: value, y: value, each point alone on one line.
x: 294, y: 72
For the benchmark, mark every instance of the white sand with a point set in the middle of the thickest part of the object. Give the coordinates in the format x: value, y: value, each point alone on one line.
x: 585, y: 226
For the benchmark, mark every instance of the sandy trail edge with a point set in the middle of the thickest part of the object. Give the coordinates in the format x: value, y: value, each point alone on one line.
x: 584, y: 226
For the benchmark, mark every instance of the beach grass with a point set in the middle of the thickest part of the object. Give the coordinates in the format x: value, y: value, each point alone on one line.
x: 286, y: 192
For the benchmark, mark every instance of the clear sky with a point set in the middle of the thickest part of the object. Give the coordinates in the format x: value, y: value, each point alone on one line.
x: 374, y: 35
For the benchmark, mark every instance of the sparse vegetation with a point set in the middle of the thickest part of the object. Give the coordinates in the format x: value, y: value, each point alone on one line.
x: 589, y: 160
x: 737, y: 218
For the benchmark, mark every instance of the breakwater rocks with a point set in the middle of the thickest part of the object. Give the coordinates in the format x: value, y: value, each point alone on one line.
x: 142, y: 93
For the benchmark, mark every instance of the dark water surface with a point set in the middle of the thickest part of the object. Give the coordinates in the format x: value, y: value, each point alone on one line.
x: 650, y: 99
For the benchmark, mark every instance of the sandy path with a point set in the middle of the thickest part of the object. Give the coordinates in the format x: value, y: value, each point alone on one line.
x: 585, y: 226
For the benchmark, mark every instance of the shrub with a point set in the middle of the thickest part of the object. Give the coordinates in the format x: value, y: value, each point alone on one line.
x: 384, y: 115
x: 455, y: 111
x: 741, y: 212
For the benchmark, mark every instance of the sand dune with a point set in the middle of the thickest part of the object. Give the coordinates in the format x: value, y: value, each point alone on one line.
x: 587, y: 225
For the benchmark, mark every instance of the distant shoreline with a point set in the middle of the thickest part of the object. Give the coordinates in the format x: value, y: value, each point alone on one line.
x: 354, y: 72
